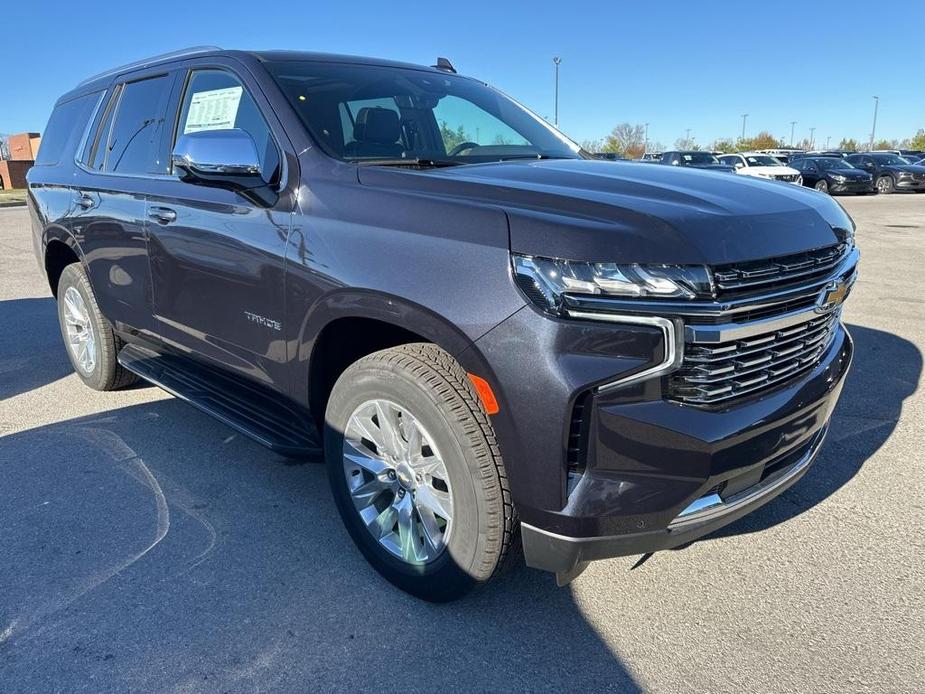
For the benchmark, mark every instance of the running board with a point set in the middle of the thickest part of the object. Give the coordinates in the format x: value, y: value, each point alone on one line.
x: 242, y: 406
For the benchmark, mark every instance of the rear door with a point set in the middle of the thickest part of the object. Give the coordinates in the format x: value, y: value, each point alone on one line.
x: 122, y: 153
x: 217, y: 258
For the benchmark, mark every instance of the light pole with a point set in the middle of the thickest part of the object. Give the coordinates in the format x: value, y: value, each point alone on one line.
x: 812, y: 137
x: 793, y: 125
x: 873, y: 130
x: 687, y: 140
x: 557, y: 60
x: 827, y: 138
x: 646, y: 143
x: 744, y: 116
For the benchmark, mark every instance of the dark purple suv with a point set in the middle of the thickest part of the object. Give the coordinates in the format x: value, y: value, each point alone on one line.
x: 495, y: 339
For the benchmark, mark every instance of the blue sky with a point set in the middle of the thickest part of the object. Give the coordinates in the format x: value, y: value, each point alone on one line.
x: 674, y: 64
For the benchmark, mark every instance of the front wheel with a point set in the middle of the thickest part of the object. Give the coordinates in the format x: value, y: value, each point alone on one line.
x: 416, y: 472
x: 822, y: 186
x: 885, y: 185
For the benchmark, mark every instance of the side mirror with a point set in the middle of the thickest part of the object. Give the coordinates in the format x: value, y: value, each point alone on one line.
x: 222, y: 159
x: 740, y: 165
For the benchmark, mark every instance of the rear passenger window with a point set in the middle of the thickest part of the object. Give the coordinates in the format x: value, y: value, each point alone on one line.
x: 136, y: 131
x: 65, y: 127
x: 217, y: 100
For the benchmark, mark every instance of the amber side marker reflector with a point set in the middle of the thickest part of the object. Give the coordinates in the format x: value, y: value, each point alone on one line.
x: 489, y: 402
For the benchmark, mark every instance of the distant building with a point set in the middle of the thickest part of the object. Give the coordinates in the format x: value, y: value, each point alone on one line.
x: 23, y: 148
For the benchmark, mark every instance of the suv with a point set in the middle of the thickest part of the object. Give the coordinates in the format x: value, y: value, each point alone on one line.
x: 761, y: 166
x: 890, y: 172
x: 495, y: 341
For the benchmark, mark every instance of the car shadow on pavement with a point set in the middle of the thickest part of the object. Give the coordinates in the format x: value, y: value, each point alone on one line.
x: 885, y: 371
x: 39, y: 359
x: 152, y: 548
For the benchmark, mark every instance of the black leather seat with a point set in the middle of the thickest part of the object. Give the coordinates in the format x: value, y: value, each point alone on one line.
x: 376, y: 132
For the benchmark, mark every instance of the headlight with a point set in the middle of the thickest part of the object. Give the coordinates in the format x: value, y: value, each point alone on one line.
x: 799, y: 180
x: 839, y: 178
x: 545, y: 280
x: 905, y: 174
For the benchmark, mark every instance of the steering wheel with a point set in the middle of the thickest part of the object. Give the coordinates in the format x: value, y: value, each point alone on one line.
x: 462, y: 146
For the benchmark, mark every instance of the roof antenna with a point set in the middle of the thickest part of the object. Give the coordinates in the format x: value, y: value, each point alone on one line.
x: 444, y: 64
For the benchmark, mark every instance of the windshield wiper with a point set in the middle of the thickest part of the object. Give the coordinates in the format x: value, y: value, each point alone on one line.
x: 429, y: 163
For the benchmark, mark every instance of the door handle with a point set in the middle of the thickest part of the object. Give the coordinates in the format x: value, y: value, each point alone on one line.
x: 85, y: 201
x: 164, y: 215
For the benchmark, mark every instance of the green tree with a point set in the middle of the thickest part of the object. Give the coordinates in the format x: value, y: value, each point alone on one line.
x: 885, y: 144
x: 918, y: 142
x: 452, y: 138
x: 763, y: 140
x: 849, y: 144
x: 724, y: 145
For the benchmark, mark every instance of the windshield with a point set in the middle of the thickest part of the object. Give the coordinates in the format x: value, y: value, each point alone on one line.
x: 371, y: 114
x: 889, y: 160
x: 698, y: 158
x: 830, y: 164
x: 761, y: 160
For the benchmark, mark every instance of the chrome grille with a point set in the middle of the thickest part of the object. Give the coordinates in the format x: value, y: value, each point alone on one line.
x: 713, y: 373
x: 790, y: 178
x: 742, y: 278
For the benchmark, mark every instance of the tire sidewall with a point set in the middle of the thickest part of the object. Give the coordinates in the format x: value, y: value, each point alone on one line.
x: 890, y: 187
x: 73, y: 276
x: 822, y: 186
x: 454, y: 571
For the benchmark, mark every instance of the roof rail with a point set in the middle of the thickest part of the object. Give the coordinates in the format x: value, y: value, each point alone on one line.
x: 181, y: 53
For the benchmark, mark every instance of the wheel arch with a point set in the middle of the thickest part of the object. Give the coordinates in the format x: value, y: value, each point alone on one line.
x: 59, y: 249
x: 347, y: 325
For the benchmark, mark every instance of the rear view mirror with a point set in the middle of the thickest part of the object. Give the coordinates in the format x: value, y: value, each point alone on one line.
x: 222, y: 159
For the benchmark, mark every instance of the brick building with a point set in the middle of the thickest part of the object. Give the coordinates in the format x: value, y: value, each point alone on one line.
x: 23, y: 148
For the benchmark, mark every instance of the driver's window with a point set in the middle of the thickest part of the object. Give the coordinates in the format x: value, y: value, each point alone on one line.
x: 480, y: 127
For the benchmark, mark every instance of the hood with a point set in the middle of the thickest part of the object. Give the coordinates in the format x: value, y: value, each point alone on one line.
x: 627, y: 212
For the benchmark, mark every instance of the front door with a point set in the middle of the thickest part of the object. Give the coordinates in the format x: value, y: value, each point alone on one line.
x: 217, y: 258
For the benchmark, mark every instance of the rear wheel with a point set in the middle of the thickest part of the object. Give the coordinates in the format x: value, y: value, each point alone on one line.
x: 885, y: 185
x: 416, y: 472
x: 822, y: 186
x: 91, y: 344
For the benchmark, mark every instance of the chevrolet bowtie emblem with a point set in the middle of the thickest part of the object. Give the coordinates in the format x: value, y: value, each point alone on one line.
x: 832, y: 296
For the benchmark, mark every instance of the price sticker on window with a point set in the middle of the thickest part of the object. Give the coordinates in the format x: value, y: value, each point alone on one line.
x: 215, y: 109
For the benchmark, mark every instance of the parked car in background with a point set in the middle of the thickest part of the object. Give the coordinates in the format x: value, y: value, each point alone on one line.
x: 609, y: 156
x: 834, y: 175
x: 761, y: 166
x: 694, y: 159
x: 651, y: 157
x: 913, y: 158
x: 890, y: 171
x: 782, y: 154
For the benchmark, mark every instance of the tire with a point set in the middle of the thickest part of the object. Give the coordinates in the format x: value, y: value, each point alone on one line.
x: 79, y: 314
x: 885, y: 185
x: 822, y: 186
x: 419, y: 388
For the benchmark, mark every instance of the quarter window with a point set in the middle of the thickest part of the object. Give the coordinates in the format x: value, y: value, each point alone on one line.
x: 217, y: 100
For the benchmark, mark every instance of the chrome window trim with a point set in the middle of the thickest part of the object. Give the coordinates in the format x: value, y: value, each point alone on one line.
x: 670, y: 335
x: 78, y: 153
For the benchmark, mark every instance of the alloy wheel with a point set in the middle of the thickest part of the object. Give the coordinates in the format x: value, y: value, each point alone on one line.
x: 398, y: 481
x: 81, y: 340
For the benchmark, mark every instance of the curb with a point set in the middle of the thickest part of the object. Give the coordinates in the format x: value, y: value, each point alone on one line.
x: 12, y: 204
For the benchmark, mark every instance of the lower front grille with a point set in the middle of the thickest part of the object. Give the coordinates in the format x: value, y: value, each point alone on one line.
x: 716, y: 372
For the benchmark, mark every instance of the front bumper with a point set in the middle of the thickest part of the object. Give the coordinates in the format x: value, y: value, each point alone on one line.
x: 729, y: 471
x: 853, y: 187
x: 910, y: 184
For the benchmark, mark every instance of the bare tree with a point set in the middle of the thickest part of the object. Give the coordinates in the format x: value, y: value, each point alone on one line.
x: 626, y: 139
x: 4, y: 146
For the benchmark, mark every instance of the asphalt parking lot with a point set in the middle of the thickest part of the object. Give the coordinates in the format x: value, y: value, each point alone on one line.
x: 144, y: 546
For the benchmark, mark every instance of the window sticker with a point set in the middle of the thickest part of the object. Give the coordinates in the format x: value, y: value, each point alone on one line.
x: 215, y: 109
